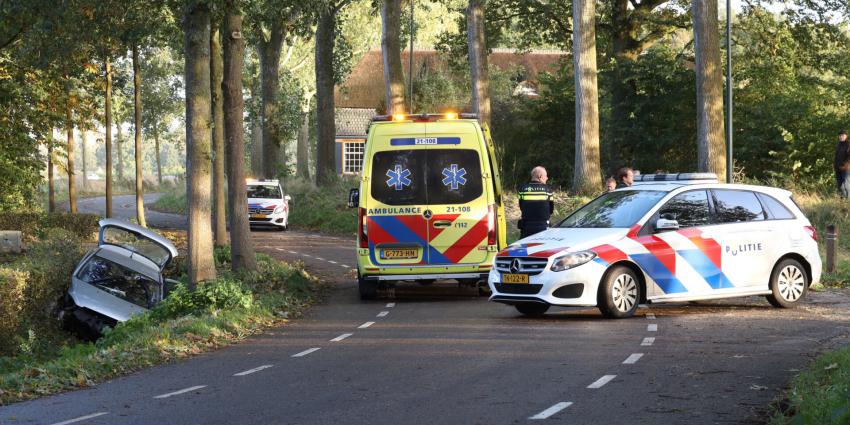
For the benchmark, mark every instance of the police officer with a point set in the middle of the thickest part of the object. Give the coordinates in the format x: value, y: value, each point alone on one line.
x: 536, y: 203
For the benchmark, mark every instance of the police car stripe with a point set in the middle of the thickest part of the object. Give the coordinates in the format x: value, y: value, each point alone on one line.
x: 706, y: 268
x: 659, y: 273
x: 708, y: 246
x: 661, y: 250
x: 609, y: 254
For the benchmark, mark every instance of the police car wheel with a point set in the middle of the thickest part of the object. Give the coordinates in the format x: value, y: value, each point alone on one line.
x: 532, y: 309
x: 620, y: 293
x: 368, y: 288
x: 788, y: 284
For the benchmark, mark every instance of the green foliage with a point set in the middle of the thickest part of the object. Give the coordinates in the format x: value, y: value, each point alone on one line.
x: 221, y: 294
x: 821, y: 394
x: 38, y: 224
x: 324, y: 209
x: 172, y: 201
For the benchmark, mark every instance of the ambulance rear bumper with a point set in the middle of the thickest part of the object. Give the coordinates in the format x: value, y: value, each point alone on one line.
x: 435, y: 276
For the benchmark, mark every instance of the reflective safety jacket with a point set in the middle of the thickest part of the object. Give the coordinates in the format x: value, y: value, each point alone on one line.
x: 536, y: 203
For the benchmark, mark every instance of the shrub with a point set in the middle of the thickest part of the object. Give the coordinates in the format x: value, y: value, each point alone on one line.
x: 221, y: 294
x: 36, y: 224
x: 324, y: 209
x: 12, y: 285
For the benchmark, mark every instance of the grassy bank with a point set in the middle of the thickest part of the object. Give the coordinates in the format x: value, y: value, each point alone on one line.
x: 820, y: 394
x: 220, y: 312
x: 172, y: 200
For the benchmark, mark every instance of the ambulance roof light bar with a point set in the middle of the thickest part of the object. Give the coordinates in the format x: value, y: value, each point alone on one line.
x: 681, y: 178
x: 425, y: 117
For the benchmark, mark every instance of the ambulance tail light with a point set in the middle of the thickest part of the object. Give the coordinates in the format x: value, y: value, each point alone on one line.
x: 812, y: 232
x: 491, y: 225
x: 361, y: 228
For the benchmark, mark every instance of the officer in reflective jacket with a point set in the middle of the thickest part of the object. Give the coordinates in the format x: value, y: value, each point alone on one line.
x: 536, y: 203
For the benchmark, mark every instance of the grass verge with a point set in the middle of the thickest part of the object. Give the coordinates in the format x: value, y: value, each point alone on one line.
x: 820, y: 395
x: 218, y: 313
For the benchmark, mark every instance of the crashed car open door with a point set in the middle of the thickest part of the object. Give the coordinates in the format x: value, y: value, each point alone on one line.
x: 121, y: 277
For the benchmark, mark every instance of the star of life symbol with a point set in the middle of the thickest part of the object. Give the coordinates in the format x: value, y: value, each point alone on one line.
x: 454, y: 177
x: 398, y: 177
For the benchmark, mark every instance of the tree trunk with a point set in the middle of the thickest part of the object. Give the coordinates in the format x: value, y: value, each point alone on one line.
x: 198, y: 147
x: 83, y: 152
x: 325, y: 125
x: 241, y: 247
x: 158, y: 155
x: 269, y: 67
x: 51, y: 195
x: 257, y: 144
x: 72, y: 184
x: 303, y: 147
x: 711, y: 148
x: 478, y: 60
x: 216, y: 70
x: 586, y: 177
x: 119, y: 152
x: 391, y: 52
x: 137, y: 123
x: 107, y: 110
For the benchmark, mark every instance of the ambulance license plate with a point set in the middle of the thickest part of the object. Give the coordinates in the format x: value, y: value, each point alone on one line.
x: 258, y: 216
x: 399, y: 253
x: 514, y: 278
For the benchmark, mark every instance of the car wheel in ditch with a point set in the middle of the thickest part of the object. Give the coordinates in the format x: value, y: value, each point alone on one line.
x: 788, y: 284
x: 619, y: 293
x: 532, y: 309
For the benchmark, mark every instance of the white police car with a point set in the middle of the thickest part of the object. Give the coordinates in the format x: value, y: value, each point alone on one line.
x: 267, y: 205
x: 670, y: 237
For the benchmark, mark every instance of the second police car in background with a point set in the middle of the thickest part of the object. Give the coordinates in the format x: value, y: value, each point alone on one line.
x: 267, y: 205
x: 674, y: 237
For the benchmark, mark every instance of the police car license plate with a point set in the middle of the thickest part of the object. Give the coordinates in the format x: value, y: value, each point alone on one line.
x: 399, y: 253
x: 514, y: 278
x: 258, y: 216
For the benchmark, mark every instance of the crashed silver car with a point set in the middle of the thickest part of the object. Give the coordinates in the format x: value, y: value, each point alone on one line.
x: 120, y: 278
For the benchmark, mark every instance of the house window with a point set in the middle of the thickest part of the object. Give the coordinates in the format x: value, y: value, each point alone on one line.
x: 352, y: 159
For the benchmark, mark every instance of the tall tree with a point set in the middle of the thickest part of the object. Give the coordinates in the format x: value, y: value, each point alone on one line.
x: 216, y: 71
x: 270, y: 49
x: 586, y: 178
x: 107, y: 128
x: 303, y: 148
x: 325, y: 80
x: 83, y: 153
x: 51, y: 196
x: 69, y: 150
x: 241, y: 246
x: 477, y: 44
x: 711, y: 152
x: 137, y: 124
x: 391, y: 53
x: 198, y: 145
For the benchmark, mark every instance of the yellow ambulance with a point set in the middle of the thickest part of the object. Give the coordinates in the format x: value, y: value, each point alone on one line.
x: 429, y: 203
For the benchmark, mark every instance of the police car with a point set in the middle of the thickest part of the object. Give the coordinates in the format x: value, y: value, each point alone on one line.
x: 668, y: 238
x: 267, y: 205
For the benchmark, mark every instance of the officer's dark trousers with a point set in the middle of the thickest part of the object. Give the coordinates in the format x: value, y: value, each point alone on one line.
x: 529, y: 229
x: 843, y: 180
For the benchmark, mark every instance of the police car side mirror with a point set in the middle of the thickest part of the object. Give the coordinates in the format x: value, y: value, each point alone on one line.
x: 353, y: 198
x: 665, y: 224
x: 287, y: 198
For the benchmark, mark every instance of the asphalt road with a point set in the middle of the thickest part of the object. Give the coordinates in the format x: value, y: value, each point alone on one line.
x: 124, y: 207
x: 442, y: 355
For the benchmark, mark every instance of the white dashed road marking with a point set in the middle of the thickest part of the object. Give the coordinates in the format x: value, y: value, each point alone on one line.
x: 390, y: 305
x: 552, y: 410
x: 652, y: 328
x: 365, y: 325
x: 183, y: 391
x: 345, y: 266
x: 383, y: 313
x: 341, y: 337
x: 81, y: 418
x: 332, y: 262
x: 647, y: 341
x: 306, y: 352
x: 633, y: 358
x: 320, y: 258
x: 307, y: 255
x: 280, y: 249
x: 601, y: 381
x: 250, y: 371
x: 650, y: 316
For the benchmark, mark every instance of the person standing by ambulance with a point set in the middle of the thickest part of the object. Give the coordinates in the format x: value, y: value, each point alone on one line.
x: 536, y: 203
x: 842, y: 164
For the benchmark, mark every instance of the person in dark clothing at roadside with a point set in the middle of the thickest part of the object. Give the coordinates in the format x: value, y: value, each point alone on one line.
x: 625, y: 177
x: 536, y: 203
x: 842, y: 164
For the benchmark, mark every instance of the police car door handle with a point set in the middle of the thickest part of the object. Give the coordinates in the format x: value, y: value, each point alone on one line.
x: 442, y: 223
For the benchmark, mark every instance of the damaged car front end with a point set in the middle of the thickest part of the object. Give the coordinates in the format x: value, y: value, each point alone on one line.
x: 119, y: 279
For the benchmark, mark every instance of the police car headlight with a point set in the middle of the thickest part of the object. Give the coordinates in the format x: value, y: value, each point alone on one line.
x: 571, y: 260
x: 278, y: 210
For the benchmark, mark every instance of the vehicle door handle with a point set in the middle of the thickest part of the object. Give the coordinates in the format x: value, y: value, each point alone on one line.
x: 442, y: 224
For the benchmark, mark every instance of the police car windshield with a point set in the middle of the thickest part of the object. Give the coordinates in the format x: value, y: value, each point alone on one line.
x: 263, y: 192
x: 622, y: 208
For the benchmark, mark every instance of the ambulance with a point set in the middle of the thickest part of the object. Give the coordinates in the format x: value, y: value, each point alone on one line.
x: 429, y: 202
x: 668, y: 238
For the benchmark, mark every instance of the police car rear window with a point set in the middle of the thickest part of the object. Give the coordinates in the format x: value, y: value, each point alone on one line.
x: 426, y: 176
x: 621, y: 208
